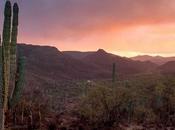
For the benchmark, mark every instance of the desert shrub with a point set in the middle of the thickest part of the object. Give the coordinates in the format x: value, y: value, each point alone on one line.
x: 139, y: 101
x: 104, y: 106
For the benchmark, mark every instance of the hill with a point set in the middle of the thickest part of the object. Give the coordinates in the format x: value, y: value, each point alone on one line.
x: 104, y: 60
x: 46, y: 61
x: 50, y: 62
x: 155, y: 59
x: 167, y: 68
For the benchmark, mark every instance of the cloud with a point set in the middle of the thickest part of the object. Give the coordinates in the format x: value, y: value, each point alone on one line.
x: 76, y: 20
x: 85, y: 16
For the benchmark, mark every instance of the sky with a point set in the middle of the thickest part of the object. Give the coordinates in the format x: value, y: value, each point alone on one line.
x: 123, y: 27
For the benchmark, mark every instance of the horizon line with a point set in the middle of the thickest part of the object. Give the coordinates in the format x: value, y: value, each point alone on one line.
x: 128, y: 54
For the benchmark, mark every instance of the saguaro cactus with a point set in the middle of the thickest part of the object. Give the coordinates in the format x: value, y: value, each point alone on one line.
x: 6, y: 53
x: 5, y: 61
x: 13, y: 67
x: 12, y: 75
x: 113, y: 72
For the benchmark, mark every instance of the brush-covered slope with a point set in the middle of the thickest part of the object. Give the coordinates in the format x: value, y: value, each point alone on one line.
x: 50, y: 71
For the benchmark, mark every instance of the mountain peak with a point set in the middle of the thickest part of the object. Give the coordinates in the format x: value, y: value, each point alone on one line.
x: 101, y: 51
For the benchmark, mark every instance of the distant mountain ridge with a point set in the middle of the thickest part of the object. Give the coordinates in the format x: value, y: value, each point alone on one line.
x: 124, y: 65
x: 47, y: 65
x: 49, y: 61
x: 155, y: 59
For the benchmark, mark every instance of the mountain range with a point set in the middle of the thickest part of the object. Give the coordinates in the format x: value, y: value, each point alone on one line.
x: 87, y: 65
x: 46, y: 65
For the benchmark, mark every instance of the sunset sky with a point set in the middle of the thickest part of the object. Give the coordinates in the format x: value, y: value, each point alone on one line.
x: 123, y: 27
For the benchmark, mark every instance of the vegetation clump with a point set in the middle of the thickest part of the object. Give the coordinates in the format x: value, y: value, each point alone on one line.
x: 134, y: 102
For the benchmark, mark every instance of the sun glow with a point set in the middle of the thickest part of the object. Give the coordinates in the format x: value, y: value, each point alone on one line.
x: 131, y: 41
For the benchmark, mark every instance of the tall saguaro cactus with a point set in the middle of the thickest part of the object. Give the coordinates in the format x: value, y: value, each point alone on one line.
x: 6, y: 53
x: 12, y: 74
x: 5, y: 61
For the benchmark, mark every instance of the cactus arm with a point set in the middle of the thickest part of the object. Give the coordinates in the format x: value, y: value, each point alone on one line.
x: 13, y: 67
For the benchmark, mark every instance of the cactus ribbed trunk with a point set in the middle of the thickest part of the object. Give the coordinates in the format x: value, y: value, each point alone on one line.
x: 19, y: 83
x: 1, y: 93
x: 13, y: 62
x: 2, y: 118
x: 5, y: 60
x: 6, y: 53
